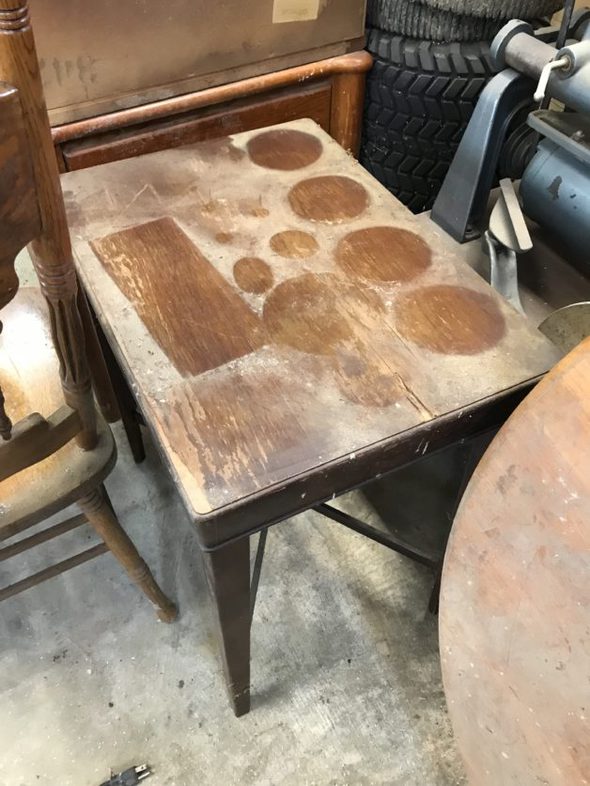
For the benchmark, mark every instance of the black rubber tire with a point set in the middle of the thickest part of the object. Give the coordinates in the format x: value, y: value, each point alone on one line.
x: 417, y: 21
x: 494, y: 9
x: 420, y: 96
x: 452, y: 20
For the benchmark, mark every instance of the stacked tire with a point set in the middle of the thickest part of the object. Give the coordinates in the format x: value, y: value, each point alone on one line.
x: 431, y: 62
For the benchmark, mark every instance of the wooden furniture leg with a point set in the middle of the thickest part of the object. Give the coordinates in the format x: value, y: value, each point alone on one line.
x: 101, y: 381
x: 346, y: 112
x: 100, y: 513
x: 125, y: 401
x: 228, y: 575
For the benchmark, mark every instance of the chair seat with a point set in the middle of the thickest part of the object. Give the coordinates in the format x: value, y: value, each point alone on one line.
x: 29, y: 376
x: 289, y: 328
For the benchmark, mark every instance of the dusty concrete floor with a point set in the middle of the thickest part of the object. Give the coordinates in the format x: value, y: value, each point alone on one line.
x: 346, y: 680
x: 346, y: 677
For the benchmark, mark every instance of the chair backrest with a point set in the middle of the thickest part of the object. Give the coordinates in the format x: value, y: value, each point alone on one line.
x: 32, y: 211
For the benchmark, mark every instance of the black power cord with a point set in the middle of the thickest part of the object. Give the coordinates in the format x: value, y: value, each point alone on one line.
x: 130, y: 777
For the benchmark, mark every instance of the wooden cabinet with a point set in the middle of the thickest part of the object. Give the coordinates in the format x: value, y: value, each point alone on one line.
x: 331, y: 92
x: 99, y: 56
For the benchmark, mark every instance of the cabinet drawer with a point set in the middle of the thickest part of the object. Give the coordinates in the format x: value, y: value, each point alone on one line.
x: 312, y: 100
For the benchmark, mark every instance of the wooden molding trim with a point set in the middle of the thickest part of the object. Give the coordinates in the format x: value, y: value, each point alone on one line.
x: 354, y: 62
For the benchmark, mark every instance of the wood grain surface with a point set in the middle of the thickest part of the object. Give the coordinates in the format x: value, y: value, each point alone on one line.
x: 19, y: 212
x: 164, y: 275
x: 515, y: 601
x: 353, y: 65
x: 253, y: 275
x: 207, y: 123
x: 294, y: 243
x: 29, y: 372
x: 328, y: 198
x: 284, y: 149
x: 294, y: 368
x: 50, y: 250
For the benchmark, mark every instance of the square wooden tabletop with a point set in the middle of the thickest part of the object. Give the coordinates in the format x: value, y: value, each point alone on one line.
x: 282, y: 317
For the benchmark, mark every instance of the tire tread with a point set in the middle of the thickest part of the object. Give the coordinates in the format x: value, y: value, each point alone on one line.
x: 420, y: 96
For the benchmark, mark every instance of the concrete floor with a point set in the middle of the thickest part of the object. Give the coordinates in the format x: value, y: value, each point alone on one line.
x: 346, y: 679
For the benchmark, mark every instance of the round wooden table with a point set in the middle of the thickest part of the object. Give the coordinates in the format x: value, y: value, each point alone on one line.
x: 515, y: 602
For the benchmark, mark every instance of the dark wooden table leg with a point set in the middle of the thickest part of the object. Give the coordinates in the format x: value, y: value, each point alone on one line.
x: 228, y: 574
x: 125, y: 400
x: 101, y: 380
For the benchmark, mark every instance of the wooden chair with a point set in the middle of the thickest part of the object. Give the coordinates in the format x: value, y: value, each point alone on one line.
x: 60, y: 449
x: 290, y: 331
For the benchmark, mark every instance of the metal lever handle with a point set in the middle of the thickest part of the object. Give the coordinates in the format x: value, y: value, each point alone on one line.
x: 552, y: 65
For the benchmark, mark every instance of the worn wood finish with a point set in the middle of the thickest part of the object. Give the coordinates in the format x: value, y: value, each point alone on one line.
x: 161, y: 285
x: 34, y: 438
x: 284, y: 372
x: 331, y: 199
x: 101, y: 380
x: 41, y: 477
x: 309, y: 386
x: 67, y: 474
x: 98, y: 509
x: 311, y: 101
x: 30, y: 372
x: 19, y: 214
x: 253, y: 275
x: 125, y: 402
x: 228, y: 575
x: 294, y: 244
x: 284, y: 149
x: 50, y: 251
x: 356, y: 64
x: 346, y: 111
x: 515, y: 594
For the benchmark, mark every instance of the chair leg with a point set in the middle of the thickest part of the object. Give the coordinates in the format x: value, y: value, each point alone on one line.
x: 98, y: 510
x: 228, y: 575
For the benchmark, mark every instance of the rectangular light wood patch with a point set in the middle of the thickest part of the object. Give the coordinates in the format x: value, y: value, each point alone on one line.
x: 191, y: 311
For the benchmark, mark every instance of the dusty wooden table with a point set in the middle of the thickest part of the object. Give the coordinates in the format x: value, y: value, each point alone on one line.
x: 515, y: 601
x: 290, y: 331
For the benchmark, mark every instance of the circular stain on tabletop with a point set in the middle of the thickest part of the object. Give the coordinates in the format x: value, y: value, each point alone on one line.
x: 316, y: 313
x: 383, y: 254
x: 294, y: 244
x: 253, y: 275
x: 329, y: 198
x: 451, y: 320
x: 284, y: 149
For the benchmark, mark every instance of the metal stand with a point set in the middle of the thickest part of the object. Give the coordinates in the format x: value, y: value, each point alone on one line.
x: 379, y: 537
x: 462, y: 201
x: 257, y: 569
x: 479, y: 445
